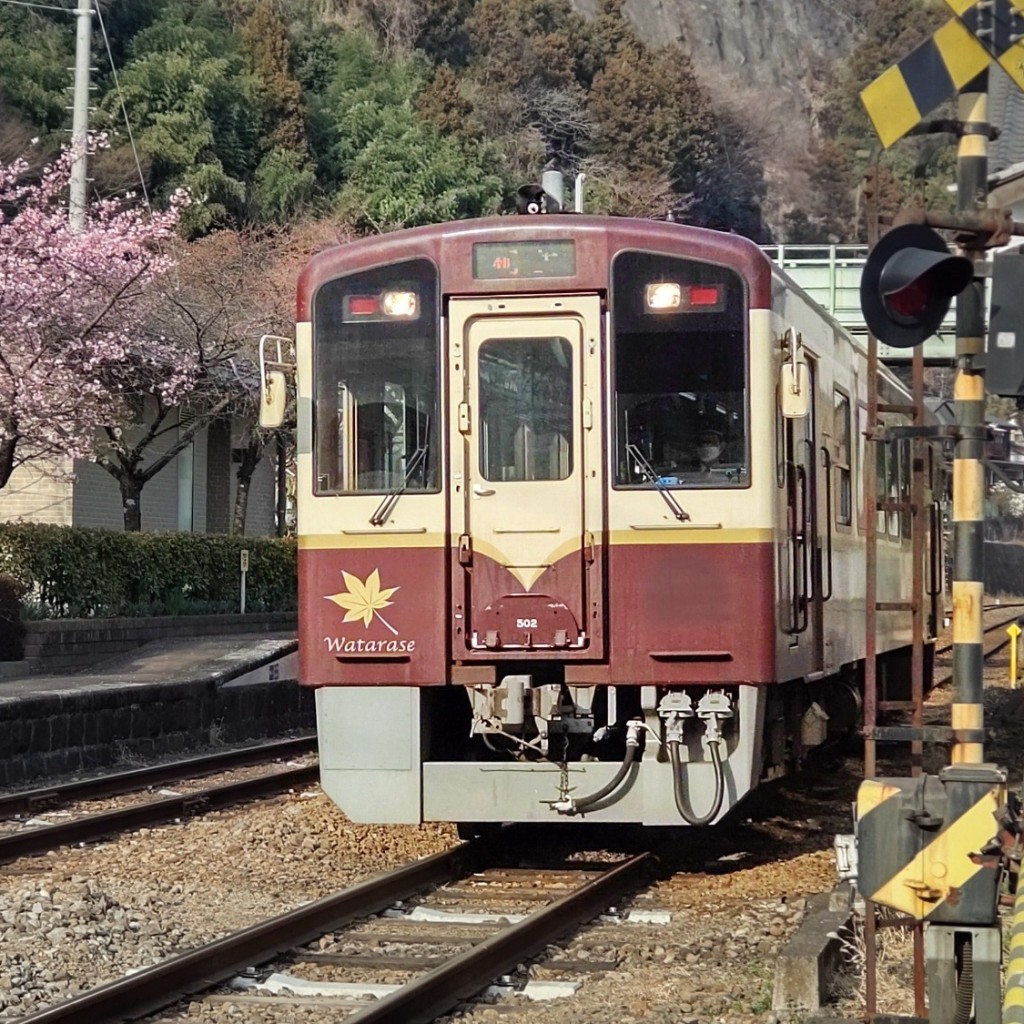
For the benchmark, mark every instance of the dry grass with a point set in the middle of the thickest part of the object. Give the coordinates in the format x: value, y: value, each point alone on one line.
x: 894, y: 970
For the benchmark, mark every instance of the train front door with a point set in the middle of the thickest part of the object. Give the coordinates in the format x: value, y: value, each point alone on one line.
x: 526, y: 477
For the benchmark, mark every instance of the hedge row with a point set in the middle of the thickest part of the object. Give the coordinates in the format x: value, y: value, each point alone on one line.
x: 75, y: 572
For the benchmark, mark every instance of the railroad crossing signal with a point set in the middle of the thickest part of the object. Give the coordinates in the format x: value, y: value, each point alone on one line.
x: 904, y: 94
x: 908, y: 282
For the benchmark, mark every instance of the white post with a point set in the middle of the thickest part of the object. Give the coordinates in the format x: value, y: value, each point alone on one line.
x: 80, y: 114
x: 244, y: 565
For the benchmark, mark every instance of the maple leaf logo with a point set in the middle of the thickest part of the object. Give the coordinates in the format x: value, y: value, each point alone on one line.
x: 364, y: 599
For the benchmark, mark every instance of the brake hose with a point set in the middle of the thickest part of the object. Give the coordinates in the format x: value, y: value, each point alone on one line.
x: 677, y: 785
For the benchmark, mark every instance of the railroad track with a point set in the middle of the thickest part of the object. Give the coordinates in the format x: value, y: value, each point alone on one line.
x: 90, y: 827
x: 994, y: 648
x: 116, y: 783
x: 474, y: 951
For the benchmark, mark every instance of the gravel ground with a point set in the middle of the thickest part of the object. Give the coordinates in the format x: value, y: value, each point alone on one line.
x: 78, y: 917
x: 75, y: 918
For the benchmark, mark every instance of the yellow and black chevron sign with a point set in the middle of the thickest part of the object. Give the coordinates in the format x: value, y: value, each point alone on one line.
x: 919, y: 844
x: 901, y: 96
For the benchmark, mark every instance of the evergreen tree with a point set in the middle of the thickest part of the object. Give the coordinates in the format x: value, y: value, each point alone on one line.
x: 444, y: 105
x: 35, y: 53
x: 195, y: 110
x: 285, y: 177
x: 528, y: 65
x: 650, y: 116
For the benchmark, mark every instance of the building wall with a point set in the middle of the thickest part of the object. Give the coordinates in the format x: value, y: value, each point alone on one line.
x: 200, y: 470
x: 259, y: 514
x: 97, y: 497
x: 37, y: 496
x: 218, y: 478
x: 194, y: 492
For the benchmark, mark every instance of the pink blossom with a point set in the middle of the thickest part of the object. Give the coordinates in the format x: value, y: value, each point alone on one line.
x: 73, y: 308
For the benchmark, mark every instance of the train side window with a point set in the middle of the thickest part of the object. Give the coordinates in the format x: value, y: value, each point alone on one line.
x: 905, y: 474
x: 375, y: 367
x: 882, y: 462
x: 843, y: 455
x: 894, y: 466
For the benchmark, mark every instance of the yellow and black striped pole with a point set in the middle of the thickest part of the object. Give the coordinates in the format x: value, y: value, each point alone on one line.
x: 968, y: 473
x: 1013, y: 1000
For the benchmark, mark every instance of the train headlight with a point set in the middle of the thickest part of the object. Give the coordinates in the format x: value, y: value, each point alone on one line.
x: 400, y: 304
x: 663, y: 295
x: 672, y: 297
x: 394, y: 305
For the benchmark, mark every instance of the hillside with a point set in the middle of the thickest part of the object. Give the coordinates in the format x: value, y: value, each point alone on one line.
x: 735, y: 114
x: 772, y: 57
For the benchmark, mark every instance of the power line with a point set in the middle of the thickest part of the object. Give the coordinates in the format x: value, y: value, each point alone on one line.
x: 38, y: 7
x: 124, y: 109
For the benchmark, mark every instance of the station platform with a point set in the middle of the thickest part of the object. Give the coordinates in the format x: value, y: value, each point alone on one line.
x: 169, y: 696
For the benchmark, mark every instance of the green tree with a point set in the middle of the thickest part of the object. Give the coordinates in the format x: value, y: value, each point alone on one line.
x: 195, y: 109
x: 650, y: 115
x: 285, y: 177
x: 383, y: 155
x: 443, y: 103
x: 443, y: 35
x: 265, y: 41
x: 411, y: 175
x: 35, y: 53
x: 528, y: 67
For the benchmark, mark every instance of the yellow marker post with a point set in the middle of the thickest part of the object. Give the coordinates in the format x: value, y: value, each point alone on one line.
x: 1014, y: 631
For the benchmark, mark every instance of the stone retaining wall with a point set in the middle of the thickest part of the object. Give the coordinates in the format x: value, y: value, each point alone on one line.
x: 55, y: 645
x: 67, y: 731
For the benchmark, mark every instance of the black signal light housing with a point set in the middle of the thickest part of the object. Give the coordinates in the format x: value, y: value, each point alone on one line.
x: 909, y: 280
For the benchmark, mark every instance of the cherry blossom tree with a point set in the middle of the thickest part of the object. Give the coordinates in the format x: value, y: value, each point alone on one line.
x: 72, y: 308
x: 212, y: 309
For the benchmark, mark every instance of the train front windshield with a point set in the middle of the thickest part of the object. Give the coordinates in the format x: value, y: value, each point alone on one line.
x: 680, y: 373
x: 376, y: 381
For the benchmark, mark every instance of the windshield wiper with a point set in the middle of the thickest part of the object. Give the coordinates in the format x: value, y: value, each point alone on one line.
x: 651, y: 474
x: 387, y: 506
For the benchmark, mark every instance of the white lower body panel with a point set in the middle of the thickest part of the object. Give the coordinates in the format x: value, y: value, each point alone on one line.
x: 371, y: 766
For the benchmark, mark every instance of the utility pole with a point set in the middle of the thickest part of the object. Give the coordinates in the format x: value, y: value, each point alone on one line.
x: 935, y: 847
x: 80, y: 115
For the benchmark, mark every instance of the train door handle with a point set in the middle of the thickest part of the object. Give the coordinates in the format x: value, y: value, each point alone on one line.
x: 482, y: 492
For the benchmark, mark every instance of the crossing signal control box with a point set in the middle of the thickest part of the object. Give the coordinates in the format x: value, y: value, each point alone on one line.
x: 931, y: 846
x: 1004, y: 350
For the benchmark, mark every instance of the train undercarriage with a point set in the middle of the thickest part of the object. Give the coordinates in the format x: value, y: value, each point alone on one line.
x: 535, y: 751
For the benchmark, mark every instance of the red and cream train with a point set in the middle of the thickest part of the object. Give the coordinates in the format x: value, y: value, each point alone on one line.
x: 579, y: 528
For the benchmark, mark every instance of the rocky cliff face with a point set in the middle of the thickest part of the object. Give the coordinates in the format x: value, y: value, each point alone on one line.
x: 755, y: 44
x: 764, y: 61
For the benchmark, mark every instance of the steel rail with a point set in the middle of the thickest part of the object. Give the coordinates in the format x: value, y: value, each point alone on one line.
x: 441, y: 989
x: 988, y: 629
x: 155, y: 988
x: 987, y: 652
x: 153, y: 812
x: 139, y: 778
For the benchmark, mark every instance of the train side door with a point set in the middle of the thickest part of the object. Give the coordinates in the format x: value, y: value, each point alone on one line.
x: 527, y: 476
x: 801, y: 614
